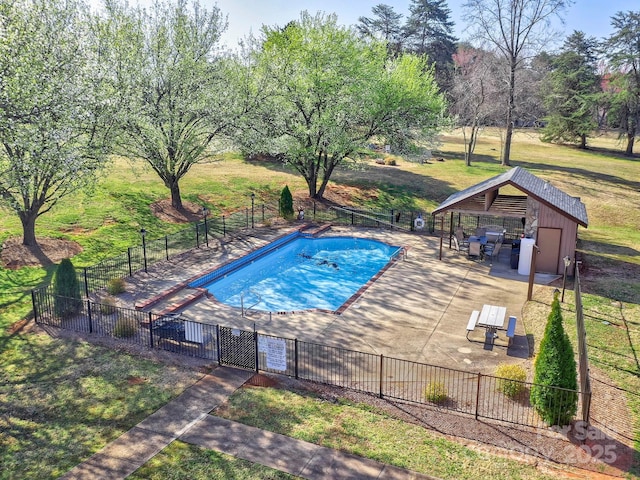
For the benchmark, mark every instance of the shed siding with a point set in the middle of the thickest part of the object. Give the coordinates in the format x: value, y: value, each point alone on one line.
x: 549, y: 218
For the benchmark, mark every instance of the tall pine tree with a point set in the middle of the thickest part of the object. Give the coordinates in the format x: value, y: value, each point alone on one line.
x: 429, y: 31
x: 622, y: 50
x: 571, y: 89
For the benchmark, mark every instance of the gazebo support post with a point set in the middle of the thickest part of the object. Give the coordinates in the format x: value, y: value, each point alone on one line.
x: 450, y: 229
x: 532, y: 271
x: 441, y: 233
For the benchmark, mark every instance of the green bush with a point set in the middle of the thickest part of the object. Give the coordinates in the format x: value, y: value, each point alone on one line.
x: 390, y: 161
x: 108, y: 306
x: 286, y: 203
x: 511, y: 378
x: 125, y: 328
x: 116, y: 286
x: 66, y: 290
x: 435, y: 392
x: 555, y: 366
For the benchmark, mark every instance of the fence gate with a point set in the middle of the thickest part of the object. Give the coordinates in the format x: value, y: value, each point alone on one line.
x: 237, y: 348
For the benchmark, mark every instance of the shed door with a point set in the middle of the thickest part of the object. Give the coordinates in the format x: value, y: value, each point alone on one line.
x: 548, y: 241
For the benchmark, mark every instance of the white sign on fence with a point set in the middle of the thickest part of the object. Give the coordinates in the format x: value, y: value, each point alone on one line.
x: 262, y: 344
x: 193, y: 332
x: 276, y: 354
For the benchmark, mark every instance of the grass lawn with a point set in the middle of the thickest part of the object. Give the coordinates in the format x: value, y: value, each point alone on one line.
x: 362, y: 430
x: 181, y: 460
x: 60, y: 400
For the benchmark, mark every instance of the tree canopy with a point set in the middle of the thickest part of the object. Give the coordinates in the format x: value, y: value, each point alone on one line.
x: 329, y: 93
x: 384, y: 25
x: 181, y: 97
x: 429, y: 31
x: 56, y: 110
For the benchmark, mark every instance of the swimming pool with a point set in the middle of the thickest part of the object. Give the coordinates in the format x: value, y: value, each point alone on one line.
x: 299, y: 273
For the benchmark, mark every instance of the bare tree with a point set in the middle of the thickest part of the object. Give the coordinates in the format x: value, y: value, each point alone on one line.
x: 517, y: 29
x: 475, y: 93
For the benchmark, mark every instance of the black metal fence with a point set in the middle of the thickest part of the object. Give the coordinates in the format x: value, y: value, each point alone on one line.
x: 413, y: 221
x: 471, y: 393
x: 151, y: 251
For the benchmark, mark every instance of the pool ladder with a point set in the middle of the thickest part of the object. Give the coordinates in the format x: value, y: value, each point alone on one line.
x: 244, y: 311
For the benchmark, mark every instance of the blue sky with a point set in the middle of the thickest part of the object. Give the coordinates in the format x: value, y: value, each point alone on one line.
x: 590, y: 16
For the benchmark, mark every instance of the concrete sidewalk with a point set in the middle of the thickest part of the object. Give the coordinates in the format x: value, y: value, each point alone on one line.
x: 186, y: 418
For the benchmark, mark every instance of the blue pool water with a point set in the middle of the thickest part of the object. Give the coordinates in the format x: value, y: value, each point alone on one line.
x: 301, y: 274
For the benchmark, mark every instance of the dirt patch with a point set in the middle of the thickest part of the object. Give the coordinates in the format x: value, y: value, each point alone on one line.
x: 49, y: 251
x: 136, y: 380
x: 165, y: 212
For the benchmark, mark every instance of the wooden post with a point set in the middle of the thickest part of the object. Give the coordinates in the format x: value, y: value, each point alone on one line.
x: 441, y: 232
x: 532, y: 270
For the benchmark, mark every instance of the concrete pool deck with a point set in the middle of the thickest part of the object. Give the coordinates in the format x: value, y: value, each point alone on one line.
x: 417, y: 310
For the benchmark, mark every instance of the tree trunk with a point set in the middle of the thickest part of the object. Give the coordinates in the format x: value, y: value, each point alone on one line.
x: 583, y: 141
x: 311, y: 185
x: 506, y: 153
x: 630, y: 141
x: 329, y: 165
x: 473, y: 138
x: 28, y: 220
x: 467, y: 147
x: 176, y: 200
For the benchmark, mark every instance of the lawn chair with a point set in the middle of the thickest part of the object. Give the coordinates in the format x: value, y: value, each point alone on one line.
x: 460, y: 247
x: 463, y: 243
x: 475, y: 249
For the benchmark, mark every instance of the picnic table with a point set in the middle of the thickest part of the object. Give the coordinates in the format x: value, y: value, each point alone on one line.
x: 492, y: 318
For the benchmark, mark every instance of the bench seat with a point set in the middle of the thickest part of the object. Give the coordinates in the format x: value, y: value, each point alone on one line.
x: 511, y: 329
x: 473, y: 319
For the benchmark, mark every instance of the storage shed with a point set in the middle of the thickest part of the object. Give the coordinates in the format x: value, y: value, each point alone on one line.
x: 549, y: 215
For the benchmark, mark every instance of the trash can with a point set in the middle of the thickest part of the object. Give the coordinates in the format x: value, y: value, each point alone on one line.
x: 515, y: 257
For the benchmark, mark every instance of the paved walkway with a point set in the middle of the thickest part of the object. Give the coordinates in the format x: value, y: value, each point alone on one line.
x: 186, y: 418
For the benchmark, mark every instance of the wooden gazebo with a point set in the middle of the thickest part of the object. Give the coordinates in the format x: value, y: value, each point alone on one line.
x: 549, y: 215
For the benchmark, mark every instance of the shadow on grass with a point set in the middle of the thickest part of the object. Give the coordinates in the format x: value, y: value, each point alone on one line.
x: 381, y: 184
x: 594, y: 177
x: 64, y: 399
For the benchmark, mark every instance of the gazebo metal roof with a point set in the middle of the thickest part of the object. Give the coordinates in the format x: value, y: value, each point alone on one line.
x: 484, y: 197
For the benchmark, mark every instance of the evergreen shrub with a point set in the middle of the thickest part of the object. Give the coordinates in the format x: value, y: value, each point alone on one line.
x: 66, y: 290
x: 108, y: 305
x: 124, y: 328
x: 555, y: 366
x: 286, y: 203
